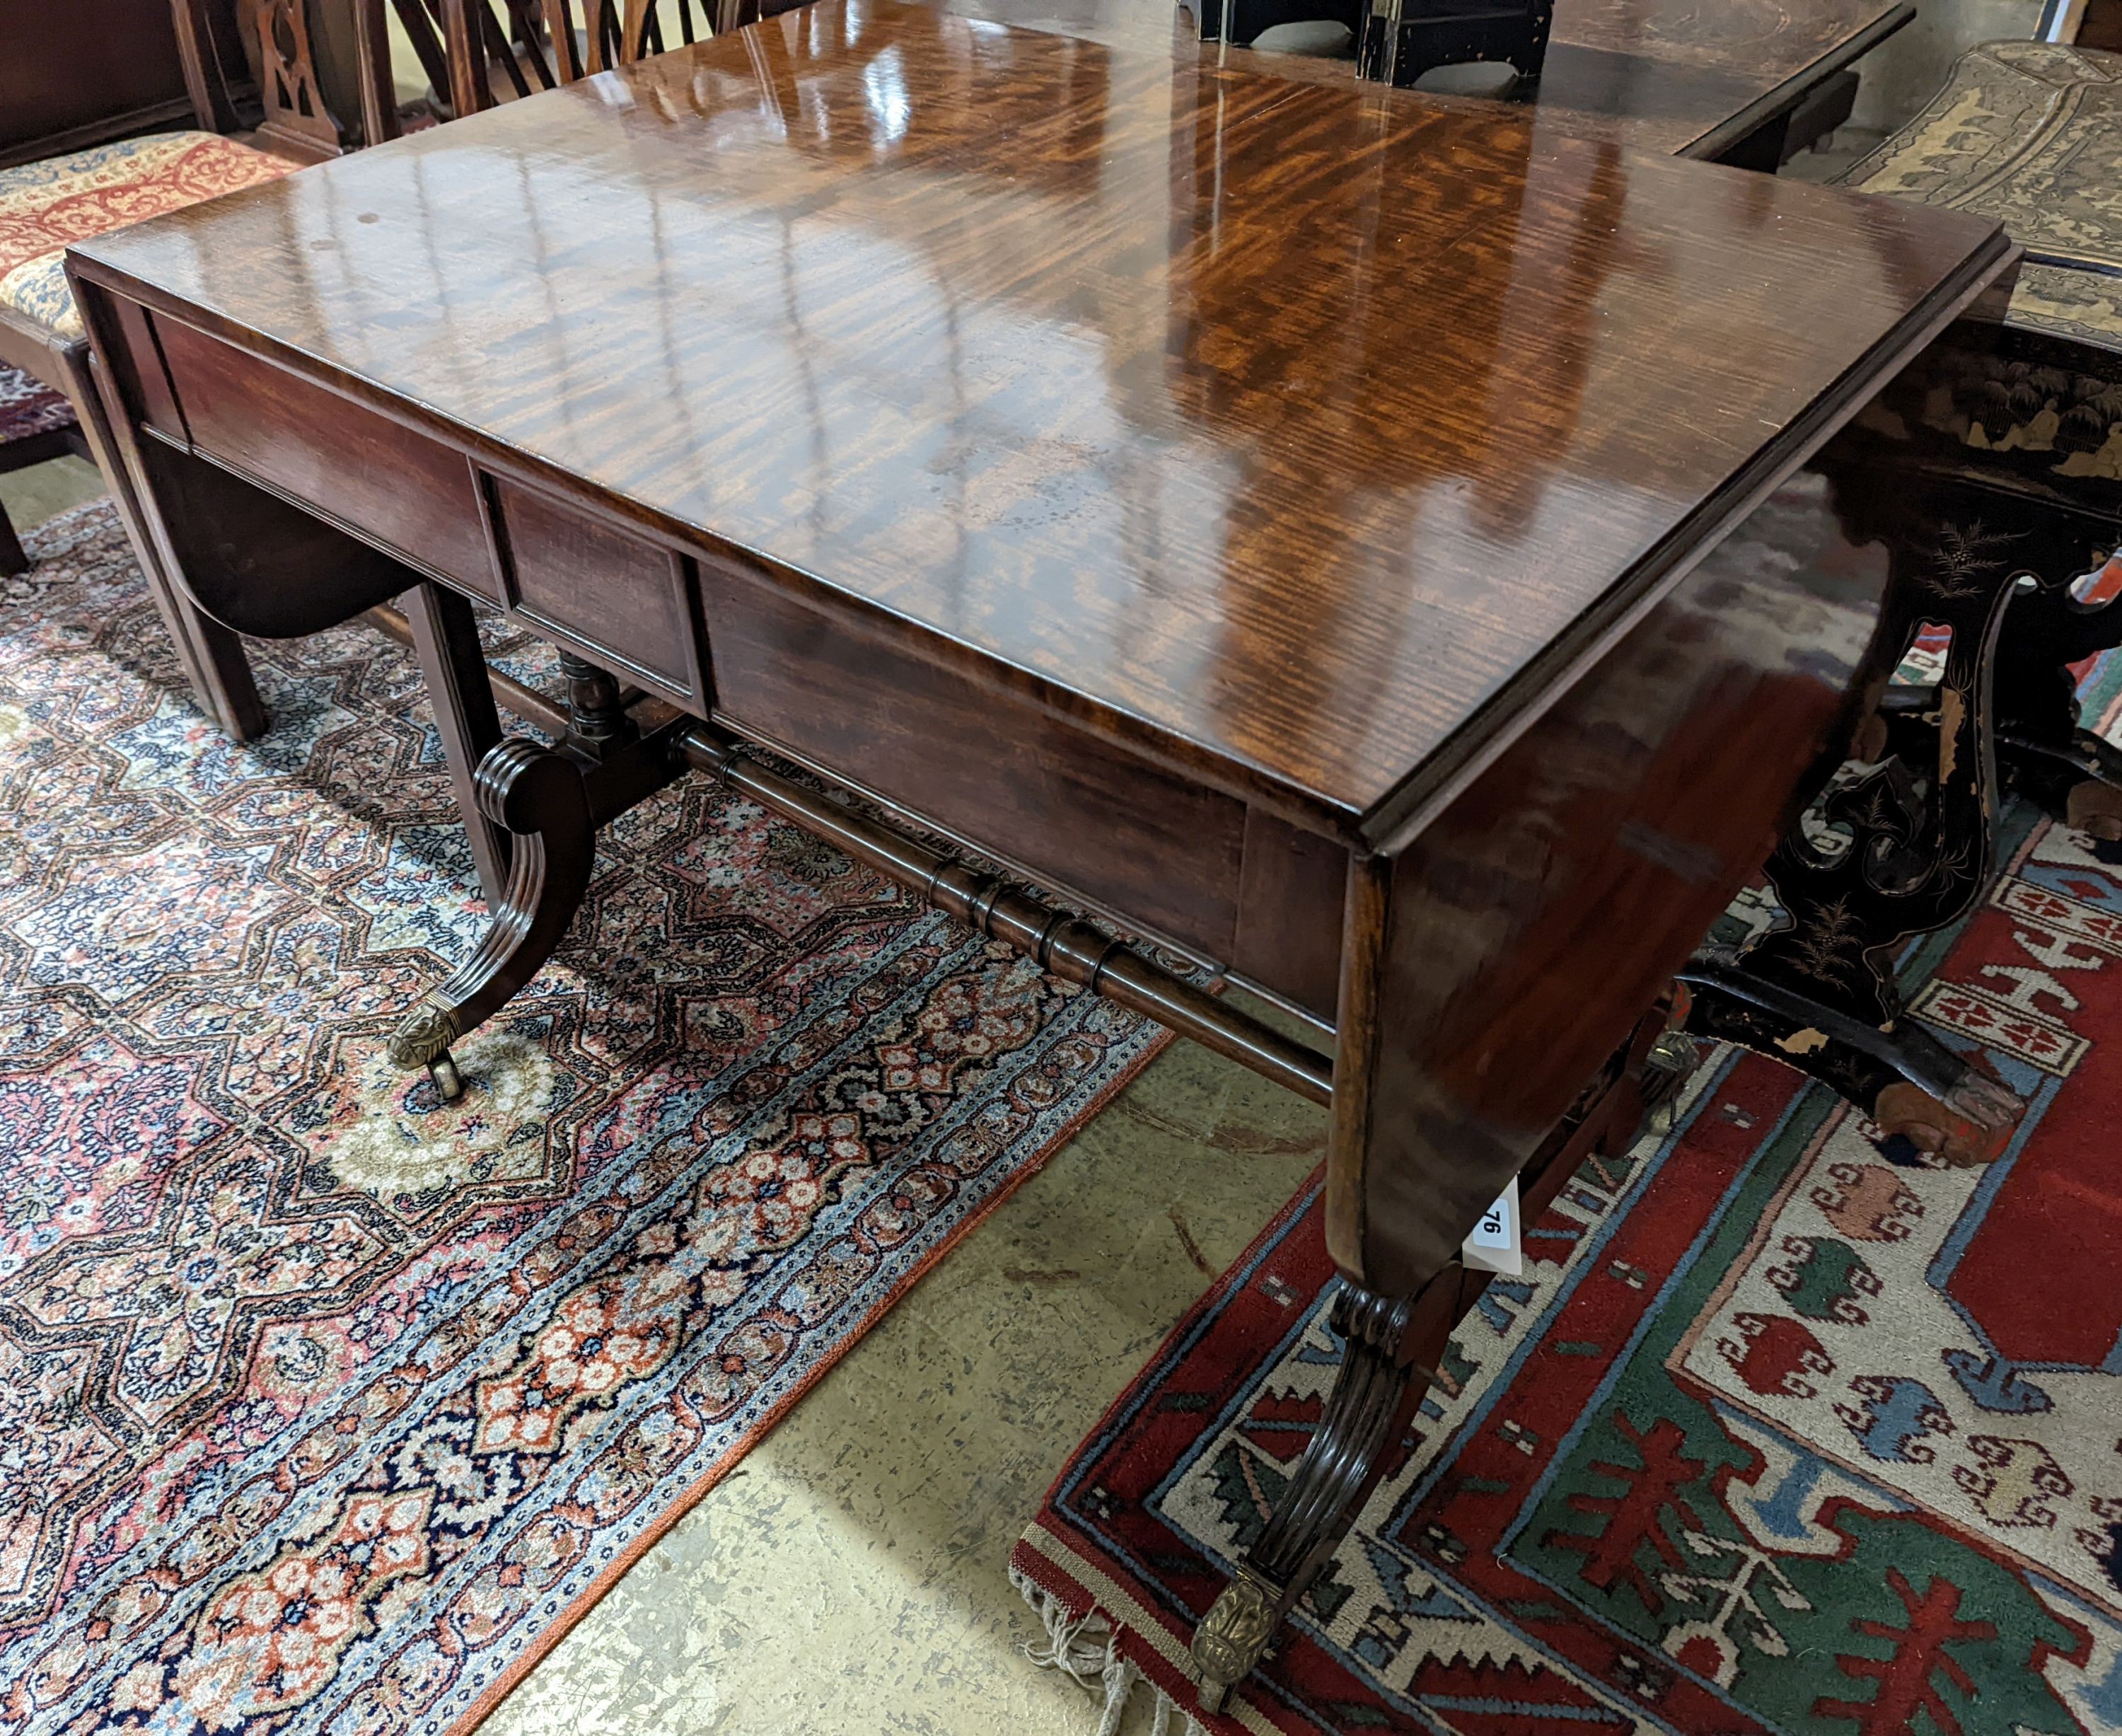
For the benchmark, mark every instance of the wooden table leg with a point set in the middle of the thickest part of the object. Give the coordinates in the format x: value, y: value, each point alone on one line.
x: 1501, y: 942
x: 12, y: 558
x: 446, y: 640
x: 1390, y: 1350
x: 538, y: 808
x: 537, y: 795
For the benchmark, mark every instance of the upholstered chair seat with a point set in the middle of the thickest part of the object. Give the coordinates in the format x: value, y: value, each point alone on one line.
x: 44, y: 205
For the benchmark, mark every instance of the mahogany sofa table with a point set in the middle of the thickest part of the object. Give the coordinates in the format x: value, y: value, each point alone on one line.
x: 1291, y: 518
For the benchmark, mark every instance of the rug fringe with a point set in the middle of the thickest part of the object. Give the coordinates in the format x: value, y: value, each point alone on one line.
x: 1086, y: 1649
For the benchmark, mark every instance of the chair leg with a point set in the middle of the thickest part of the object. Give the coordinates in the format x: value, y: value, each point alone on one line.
x: 213, y: 654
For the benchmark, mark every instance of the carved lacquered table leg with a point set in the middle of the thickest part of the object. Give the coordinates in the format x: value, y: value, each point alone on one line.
x: 537, y: 796
x: 2042, y: 750
x: 1901, y: 846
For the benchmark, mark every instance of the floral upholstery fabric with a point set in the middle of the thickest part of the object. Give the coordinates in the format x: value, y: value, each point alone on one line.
x: 45, y: 205
x: 2029, y: 133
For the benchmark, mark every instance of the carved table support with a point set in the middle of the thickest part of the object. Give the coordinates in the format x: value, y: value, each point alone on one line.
x: 551, y: 802
x: 1901, y: 846
x: 536, y: 795
x: 1388, y: 1350
x: 1391, y: 1350
x: 544, y: 805
x: 599, y: 722
x: 2042, y: 751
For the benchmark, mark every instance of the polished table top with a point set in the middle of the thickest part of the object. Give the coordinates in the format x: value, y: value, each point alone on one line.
x: 1280, y: 428
x: 1672, y: 75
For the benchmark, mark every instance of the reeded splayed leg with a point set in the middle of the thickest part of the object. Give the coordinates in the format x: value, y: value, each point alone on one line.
x: 1901, y: 846
x: 538, y: 796
x: 1389, y: 1348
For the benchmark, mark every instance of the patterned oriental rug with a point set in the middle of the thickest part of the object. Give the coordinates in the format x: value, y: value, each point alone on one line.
x: 326, y: 1408
x: 1780, y: 1430
x: 28, y: 406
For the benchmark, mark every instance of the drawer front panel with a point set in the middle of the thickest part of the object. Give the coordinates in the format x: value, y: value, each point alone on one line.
x: 997, y: 770
x: 411, y: 494
x: 627, y: 603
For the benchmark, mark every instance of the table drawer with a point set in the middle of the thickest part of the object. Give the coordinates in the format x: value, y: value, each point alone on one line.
x: 401, y: 490
x: 624, y: 602
x: 1082, y: 813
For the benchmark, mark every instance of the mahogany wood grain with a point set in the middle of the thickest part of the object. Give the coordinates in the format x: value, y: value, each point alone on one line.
x: 1081, y: 813
x: 1288, y: 936
x: 1579, y: 869
x: 212, y: 655
x: 355, y: 467
x: 298, y: 121
x: 641, y: 608
x: 238, y: 546
x: 1274, y: 430
x: 1301, y: 517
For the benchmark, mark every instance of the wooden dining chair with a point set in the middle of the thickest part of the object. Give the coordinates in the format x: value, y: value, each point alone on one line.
x: 474, y: 53
x: 47, y: 202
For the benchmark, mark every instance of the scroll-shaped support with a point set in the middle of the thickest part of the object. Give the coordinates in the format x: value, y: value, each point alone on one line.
x: 1388, y: 1348
x: 1391, y: 1347
x: 1902, y: 846
x: 538, y: 795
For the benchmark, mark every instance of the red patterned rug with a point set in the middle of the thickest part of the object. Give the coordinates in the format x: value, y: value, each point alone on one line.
x: 324, y: 1407
x: 1780, y: 1431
